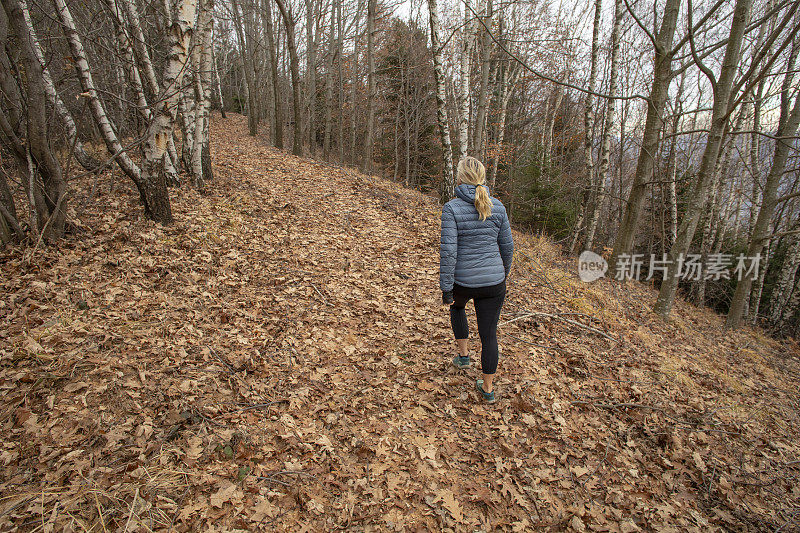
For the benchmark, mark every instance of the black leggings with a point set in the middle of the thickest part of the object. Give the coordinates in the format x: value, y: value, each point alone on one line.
x: 488, y: 301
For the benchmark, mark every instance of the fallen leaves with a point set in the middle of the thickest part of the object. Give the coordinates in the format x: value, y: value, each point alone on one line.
x: 279, y: 359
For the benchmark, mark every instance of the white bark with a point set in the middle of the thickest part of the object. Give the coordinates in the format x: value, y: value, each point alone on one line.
x: 180, y: 30
x: 782, y: 291
x: 603, y: 172
x: 441, y: 98
x: 463, y: 96
x: 202, y: 88
x: 719, y: 120
x: 63, y: 113
x: 87, y: 84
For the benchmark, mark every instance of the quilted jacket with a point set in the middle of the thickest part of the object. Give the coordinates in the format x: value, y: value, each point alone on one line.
x: 473, y: 252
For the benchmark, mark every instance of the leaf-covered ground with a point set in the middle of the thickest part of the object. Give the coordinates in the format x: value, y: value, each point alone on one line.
x: 279, y: 359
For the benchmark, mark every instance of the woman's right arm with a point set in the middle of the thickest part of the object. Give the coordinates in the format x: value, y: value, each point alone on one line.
x: 448, y: 249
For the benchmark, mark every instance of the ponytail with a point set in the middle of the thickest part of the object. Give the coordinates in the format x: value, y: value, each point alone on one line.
x: 472, y: 172
x: 482, y: 202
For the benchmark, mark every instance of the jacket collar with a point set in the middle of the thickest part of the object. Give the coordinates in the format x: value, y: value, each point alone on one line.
x: 466, y: 192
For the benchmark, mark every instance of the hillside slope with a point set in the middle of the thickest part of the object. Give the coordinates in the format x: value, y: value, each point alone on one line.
x: 280, y: 359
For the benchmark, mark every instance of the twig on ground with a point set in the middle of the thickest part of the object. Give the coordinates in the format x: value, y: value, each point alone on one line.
x: 231, y: 370
x: 326, y: 302
x: 557, y: 317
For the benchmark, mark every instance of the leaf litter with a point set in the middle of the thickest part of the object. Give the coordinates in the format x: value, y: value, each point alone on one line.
x: 279, y: 359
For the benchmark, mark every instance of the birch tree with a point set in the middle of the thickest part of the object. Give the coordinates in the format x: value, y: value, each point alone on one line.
x: 153, y: 180
x: 603, y: 172
x: 464, y: 92
x: 441, y: 99
x: 588, y: 124
x: 656, y: 103
x: 787, y: 130
x: 723, y: 88
x: 107, y: 131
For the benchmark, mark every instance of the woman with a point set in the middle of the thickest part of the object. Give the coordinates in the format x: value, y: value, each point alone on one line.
x: 474, y: 260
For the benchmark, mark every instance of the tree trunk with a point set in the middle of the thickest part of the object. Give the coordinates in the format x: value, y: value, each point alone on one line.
x: 441, y: 100
x: 218, y: 83
x: 311, y: 75
x: 202, y: 90
x: 483, y: 96
x: 329, y: 80
x: 288, y: 22
x: 369, y: 141
x: 154, y: 185
x: 755, y: 298
x: 340, y: 74
x: 782, y: 291
x: 659, y: 91
x: 46, y: 185
x: 699, y: 194
x: 787, y: 129
x: 603, y: 172
x: 266, y: 14
x: 249, y: 68
x: 508, y: 79
x: 107, y: 131
x: 588, y: 128
x: 463, y: 96
x: 83, y: 158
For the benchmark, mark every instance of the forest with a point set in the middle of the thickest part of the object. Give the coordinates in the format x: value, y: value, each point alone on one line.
x: 218, y: 222
x: 659, y: 129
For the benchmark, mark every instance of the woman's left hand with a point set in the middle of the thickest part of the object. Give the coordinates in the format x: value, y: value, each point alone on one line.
x: 447, y: 298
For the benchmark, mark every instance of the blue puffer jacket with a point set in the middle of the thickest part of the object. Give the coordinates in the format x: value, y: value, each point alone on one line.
x: 473, y: 252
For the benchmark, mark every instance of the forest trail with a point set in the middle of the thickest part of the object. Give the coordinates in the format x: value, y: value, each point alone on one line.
x: 279, y: 358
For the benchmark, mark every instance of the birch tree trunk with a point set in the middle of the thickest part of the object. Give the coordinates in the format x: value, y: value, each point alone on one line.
x: 202, y: 89
x: 145, y: 67
x: 483, y: 96
x: 463, y: 96
x: 294, y: 65
x: 83, y: 158
x: 219, y: 84
x: 699, y: 194
x: 107, y: 131
x: 588, y: 129
x: 659, y: 91
x: 787, y: 128
x: 508, y: 79
x: 603, y: 172
x: 441, y: 99
x: 782, y: 291
x: 755, y: 298
x: 672, y: 166
x: 154, y: 183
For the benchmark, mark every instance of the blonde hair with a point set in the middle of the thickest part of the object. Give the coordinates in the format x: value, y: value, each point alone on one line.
x: 472, y: 172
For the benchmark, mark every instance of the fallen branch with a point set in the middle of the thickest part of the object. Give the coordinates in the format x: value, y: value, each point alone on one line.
x: 567, y: 320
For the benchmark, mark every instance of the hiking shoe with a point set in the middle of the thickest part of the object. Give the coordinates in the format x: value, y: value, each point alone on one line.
x: 488, y: 396
x: 461, y: 362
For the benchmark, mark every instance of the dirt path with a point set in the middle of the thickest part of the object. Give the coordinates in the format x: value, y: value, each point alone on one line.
x: 279, y: 358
